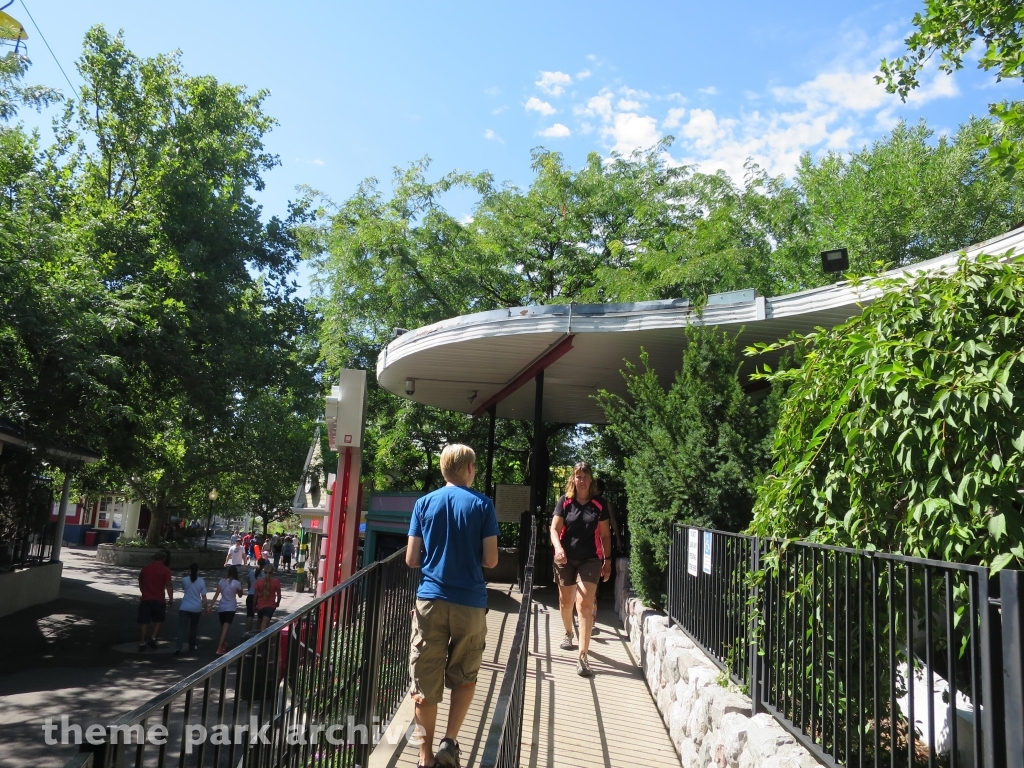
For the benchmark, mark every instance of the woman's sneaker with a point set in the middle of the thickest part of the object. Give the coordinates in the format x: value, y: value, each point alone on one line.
x: 583, y: 667
x: 447, y: 754
x: 566, y: 644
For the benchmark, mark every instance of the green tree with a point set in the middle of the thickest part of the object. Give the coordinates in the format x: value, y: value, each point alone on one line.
x: 693, y: 451
x: 163, y: 165
x: 950, y: 29
x: 902, y: 430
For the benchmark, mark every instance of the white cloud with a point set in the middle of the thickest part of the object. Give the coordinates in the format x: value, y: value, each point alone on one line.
x: 598, y: 106
x: 839, y: 108
x: 629, y: 131
x: 556, y: 131
x: 583, y: 74
x: 318, y: 161
x: 553, y: 83
x: 493, y: 91
x: 490, y: 135
x: 499, y: 110
x: 674, y: 118
x: 536, y: 105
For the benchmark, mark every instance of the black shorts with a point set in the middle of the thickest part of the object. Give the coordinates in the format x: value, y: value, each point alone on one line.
x: 571, y: 571
x: 250, y: 605
x: 226, y: 617
x: 266, y: 613
x: 152, y: 611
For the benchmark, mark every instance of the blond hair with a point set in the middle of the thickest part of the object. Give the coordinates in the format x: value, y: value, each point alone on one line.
x: 570, y: 484
x: 455, y: 461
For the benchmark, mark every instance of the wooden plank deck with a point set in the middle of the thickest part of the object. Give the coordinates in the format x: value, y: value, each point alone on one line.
x: 606, y: 721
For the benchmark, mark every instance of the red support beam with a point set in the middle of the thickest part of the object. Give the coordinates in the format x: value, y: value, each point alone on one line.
x: 548, y: 357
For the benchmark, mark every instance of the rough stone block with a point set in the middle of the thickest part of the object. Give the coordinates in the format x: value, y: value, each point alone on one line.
x: 765, y: 737
x: 665, y: 697
x: 697, y: 723
x: 688, y: 754
x: 732, y: 733
x: 702, y: 677
x: 676, y: 723
x: 692, y: 659
x: 724, y: 701
x: 686, y: 697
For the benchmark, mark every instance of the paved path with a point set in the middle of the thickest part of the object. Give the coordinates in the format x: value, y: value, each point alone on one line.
x: 608, y: 721
x: 62, y: 658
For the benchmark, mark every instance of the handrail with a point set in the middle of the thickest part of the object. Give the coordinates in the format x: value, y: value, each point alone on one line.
x: 332, y: 663
x: 504, y: 736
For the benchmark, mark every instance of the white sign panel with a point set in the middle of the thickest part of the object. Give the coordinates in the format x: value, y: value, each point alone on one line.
x: 706, y: 563
x: 693, y: 552
x: 510, y: 501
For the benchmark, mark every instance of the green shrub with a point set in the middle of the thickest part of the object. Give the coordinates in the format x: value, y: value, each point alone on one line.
x: 903, y: 430
x: 693, y: 451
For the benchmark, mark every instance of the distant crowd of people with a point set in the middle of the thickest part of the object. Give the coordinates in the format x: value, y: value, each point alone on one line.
x: 249, y: 549
x: 249, y: 557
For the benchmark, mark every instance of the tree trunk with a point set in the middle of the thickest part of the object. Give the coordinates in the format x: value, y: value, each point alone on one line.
x: 157, y: 521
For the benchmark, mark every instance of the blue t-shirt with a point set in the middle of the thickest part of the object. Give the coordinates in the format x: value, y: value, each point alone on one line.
x: 453, y: 522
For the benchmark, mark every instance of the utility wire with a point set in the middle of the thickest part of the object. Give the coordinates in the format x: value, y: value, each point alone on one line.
x: 43, y: 38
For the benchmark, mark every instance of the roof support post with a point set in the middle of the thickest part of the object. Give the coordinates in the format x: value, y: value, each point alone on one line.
x: 536, y: 472
x: 488, y: 488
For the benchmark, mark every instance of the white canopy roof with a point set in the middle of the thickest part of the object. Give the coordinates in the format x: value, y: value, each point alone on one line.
x: 461, y: 363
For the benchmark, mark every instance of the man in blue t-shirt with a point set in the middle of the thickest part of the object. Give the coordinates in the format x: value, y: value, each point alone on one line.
x: 453, y: 536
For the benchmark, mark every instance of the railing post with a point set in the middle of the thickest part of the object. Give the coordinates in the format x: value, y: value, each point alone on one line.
x: 367, y: 701
x: 756, y: 606
x: 993, y: 720
x: 1011, y: 593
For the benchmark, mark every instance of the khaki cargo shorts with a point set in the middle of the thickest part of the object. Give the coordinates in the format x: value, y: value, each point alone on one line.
x: 448, y: 642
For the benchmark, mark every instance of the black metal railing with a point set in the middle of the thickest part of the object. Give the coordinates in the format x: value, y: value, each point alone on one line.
x: 504, y: 735
x: 710, y: 596
x: 33, y: 547
x: 316, y: 688
x: 867, y: 658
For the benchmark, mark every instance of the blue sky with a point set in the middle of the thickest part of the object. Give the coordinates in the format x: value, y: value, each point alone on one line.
x: 359, y: 88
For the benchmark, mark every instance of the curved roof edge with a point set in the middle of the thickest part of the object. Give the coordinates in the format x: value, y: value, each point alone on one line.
x: 826, y: 306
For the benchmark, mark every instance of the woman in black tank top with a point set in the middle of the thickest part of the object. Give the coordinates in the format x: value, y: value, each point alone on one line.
x: 581, y: 538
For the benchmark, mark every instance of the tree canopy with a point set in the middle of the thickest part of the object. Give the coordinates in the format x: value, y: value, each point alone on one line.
x: 151, y: 310
x: 950, y: 29
x: 619, y: 229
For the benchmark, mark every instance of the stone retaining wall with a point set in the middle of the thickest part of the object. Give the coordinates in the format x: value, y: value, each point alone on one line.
x: 709, y: 723
x: 31, y: 586
x: 137, y: 557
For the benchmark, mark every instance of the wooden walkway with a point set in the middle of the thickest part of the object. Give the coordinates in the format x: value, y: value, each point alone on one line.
x: 606, y: 721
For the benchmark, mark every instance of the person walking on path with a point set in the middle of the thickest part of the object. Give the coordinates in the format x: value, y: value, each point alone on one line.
x: 229, y: 589
x: 247, y: 546
x: 255, y: 574
x: 235, y: 556
x: 581, y: 539
x: 268, y: 597
x: 277, y: 547
x: 154, y: 579
x: 453, y: 536
x: 193, y: 603
x: 287, y: 548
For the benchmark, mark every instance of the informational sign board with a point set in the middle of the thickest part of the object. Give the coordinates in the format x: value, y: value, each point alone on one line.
x: 693, y: 552
x: 313, y: 523
x: 706, y: 562
x: 510, y: 501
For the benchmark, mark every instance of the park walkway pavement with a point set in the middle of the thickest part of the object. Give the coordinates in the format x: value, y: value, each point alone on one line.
x: 67, y: 657
x: 607, y: 721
